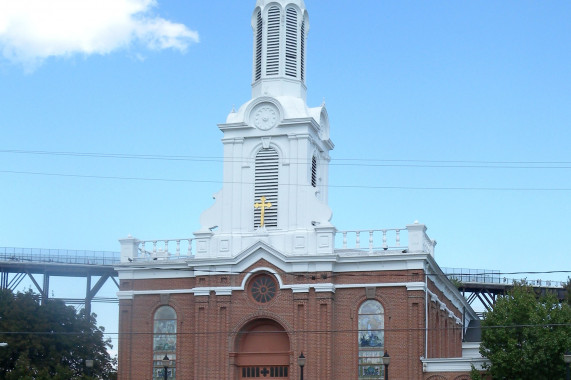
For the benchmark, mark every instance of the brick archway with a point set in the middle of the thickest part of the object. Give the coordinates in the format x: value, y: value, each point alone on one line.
x: 262, y: 350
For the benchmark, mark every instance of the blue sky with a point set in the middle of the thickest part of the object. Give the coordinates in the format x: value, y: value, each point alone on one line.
x: 455, y: 114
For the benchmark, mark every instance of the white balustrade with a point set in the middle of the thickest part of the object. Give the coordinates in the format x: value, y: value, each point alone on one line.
x: 389, y: 239
x: 165, y: 249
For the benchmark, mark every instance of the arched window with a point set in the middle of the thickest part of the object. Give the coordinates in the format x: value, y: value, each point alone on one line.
x: 266, y: 189
x: 291, y: 42
x: 273, y: 44
x: 164, y: 342
x: 314, y: 171
x: 258, y: 58
x: 302, y: 51
x: 371, y: 338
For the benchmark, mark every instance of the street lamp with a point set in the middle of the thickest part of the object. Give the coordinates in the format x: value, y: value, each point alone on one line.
x: 166, y: 362
x: 301, y: 363
x: 567, y: 360
x: 3, y: 344
x: 89, y: 366
x: 386, y: 362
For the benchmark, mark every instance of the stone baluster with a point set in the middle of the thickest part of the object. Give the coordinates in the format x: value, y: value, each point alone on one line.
x: 398, y: 238
x: 357, y: 239
x: 167, y: 251
x: 178, y: 248
x: 344, y: 239
x: 385, y: 246
x: 189, y: 247
x: 371, y: 241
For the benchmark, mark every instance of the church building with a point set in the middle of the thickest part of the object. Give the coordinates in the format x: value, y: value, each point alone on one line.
x: 268, y: 287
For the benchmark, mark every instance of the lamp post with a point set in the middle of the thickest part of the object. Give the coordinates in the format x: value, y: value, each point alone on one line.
x: 88, y: 366
x: 386, y: 362
x: 567, y: 360
x: 166, y: 363
x: 301, y: 363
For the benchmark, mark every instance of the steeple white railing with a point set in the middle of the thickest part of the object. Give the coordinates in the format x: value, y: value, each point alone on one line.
x: 370, y: 240
x: 409, y: 239
x: 159, y: 249
x: 412, y: 238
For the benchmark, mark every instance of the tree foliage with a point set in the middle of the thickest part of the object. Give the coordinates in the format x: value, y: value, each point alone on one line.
x: 49, y: 340
x: 568, y: 291
x: 525, y: 336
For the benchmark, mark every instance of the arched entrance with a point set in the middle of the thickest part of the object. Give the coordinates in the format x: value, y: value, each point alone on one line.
x: 262, y: 351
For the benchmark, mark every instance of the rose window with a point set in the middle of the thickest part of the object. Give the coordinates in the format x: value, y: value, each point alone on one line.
x: 263, y: 288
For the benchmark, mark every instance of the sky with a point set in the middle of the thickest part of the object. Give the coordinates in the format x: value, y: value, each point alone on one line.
x: 453, y: 114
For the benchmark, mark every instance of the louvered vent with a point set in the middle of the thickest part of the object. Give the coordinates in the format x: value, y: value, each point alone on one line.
x: 302, y: 51
x: 314, y: 172
x: 259, y: 34
x: 291, y: 43
x: 266, y: 185
x: 273, y: 47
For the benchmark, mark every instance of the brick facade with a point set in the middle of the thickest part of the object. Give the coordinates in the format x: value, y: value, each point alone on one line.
x: 321, y: 324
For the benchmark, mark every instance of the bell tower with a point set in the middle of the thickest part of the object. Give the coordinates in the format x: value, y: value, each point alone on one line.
x: 280, y: 35
x: 276, y: 150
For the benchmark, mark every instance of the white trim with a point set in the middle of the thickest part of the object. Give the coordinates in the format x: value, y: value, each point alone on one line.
x: 295, y: 288
x: 444, y: 307
x: 452, y: 364
x: 255, y: 271
x: 416, y: 286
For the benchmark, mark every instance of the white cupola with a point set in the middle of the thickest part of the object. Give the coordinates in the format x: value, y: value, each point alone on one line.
x: 280, y: 33
x: 276, y: 150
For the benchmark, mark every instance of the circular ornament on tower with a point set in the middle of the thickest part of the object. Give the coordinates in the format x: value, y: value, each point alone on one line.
x: 264, y: 116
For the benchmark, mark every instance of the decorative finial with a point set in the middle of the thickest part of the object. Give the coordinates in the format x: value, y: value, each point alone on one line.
x: 323, y: 103
x: 233, y: 108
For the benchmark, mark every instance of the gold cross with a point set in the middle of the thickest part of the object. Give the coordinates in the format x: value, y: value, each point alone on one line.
x: 262, y: 206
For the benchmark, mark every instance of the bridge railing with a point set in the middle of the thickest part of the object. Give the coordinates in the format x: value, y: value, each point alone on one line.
x: 488, y: 276
x: 58, y: 256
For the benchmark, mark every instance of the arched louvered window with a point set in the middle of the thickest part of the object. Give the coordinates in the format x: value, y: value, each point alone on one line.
x: 371, y: 340
x: 266, y: 189
x: 258, y: 58
x: 314, y: 171
x: 302, y: 51
x: 291, y: 43
x: 273, y: 46
x: 164, y: 342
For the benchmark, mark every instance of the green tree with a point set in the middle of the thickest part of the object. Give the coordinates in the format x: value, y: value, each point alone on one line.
x: 525, y: 336
x: 568, y: 291
x: 49, y: 340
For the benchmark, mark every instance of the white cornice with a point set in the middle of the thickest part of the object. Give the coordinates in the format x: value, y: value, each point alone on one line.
x: 295, y: 288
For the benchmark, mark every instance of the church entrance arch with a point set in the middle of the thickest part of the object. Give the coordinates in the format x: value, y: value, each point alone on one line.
x: 262, y: 350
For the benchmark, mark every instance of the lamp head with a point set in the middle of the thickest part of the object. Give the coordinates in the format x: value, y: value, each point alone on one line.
x: 166, y: 361
x: 567, y: 357
x: 301, y: 360
x: 386, y: 358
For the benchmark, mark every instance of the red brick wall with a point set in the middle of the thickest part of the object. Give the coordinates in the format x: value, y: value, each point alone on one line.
x: 322, y: 325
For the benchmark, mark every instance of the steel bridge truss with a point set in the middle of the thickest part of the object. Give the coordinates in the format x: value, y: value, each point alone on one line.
x: 17, y: 264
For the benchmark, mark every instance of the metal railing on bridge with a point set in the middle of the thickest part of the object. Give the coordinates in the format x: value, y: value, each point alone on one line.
x: 487, y: 276
x: 58, y: 256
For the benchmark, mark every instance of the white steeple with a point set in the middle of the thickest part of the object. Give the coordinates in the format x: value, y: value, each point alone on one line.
x: 280, y: 33
x: 276, y: 151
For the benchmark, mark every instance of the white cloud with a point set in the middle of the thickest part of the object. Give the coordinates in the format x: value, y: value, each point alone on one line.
x: 33, y: 30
